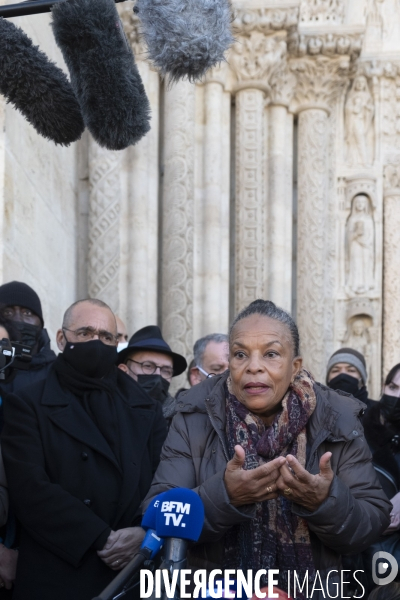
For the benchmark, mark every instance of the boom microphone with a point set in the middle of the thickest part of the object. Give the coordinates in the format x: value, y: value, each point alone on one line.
x: 37, y: 87
x: 103, y: 73
x: 185, y: 38
x: 180, y: 519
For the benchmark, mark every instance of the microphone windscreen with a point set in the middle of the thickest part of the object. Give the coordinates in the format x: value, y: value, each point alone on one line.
x: 103, y: 72
x: 37, y: 87
x: 149, y: 519
x: 185, y: 38
x: 181, y: 515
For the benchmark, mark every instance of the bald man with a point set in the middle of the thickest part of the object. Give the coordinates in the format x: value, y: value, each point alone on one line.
x: 80, y: 449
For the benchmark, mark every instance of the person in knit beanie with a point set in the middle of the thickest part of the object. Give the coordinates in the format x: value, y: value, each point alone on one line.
x: 21, y: 307
x: 347, y: 371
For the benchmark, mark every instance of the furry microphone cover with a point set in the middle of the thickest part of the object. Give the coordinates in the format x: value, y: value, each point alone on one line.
x: 185, y: 38
x: 37, y: 87
x: 103, y: 73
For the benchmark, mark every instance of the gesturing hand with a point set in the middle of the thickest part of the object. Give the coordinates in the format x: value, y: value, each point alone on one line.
x: 8, y: 566
x: 298, y: 485
x: 255, y: 485
x: 121, y: 547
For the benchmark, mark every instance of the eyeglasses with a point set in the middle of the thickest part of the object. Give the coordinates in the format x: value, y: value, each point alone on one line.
x: 149, y: 368
x: 85, y: 334
x: 205, y: 372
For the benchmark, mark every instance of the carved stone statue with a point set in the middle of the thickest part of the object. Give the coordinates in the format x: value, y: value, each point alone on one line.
x: 359, y: 114
x: 360, y: 246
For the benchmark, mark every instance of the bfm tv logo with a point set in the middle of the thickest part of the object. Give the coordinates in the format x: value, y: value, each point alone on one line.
x: 174, y: 511
x: 386, y: 560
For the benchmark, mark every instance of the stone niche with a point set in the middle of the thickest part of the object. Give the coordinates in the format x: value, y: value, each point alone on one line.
x: 358, y: 307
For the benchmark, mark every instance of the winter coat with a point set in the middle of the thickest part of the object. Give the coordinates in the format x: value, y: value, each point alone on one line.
x: 67, y: 488
x: 39, y: 367
x: 195, y: 455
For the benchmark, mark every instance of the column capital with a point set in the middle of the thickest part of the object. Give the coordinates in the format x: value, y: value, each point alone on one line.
x: 320, y: 80
x: 255, y: 57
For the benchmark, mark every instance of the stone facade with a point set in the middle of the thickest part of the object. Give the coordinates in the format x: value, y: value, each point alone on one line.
x: 278, y: 176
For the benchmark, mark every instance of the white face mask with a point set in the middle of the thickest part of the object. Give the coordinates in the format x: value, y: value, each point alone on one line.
x: 122, y: 346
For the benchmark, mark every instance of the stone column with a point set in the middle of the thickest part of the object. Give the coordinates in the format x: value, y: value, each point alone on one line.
x: 250, y: 238
x: 177, y: 218
x: 391, y: 262
x: 140, y: 229
x: 251, y: 188
x: 214, y: 275
x: 320, y: 82
x: 280, y: 190
x: 143, y: 215
x: 312, y: 201
x: 104, y: 209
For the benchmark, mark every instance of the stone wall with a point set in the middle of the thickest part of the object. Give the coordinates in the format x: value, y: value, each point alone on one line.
x: 199, y: 218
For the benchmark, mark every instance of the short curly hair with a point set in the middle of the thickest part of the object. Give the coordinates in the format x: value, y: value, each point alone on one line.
x: 266, y: 308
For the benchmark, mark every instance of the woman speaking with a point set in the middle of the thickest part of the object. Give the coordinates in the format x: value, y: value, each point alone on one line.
x: 279, y: 461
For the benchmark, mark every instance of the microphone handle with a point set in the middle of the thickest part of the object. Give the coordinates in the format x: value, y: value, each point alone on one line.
x: 175, y: 559
x: 115, y: 586
x: 30, y: 7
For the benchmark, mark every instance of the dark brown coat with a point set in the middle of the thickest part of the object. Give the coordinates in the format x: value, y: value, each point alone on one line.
x: 195, y: 456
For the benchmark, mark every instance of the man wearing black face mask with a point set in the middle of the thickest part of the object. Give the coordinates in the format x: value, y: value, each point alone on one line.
x: 347, y: 371
x: 80, y: 449
x: 21, y: 306
x: 150, y: 361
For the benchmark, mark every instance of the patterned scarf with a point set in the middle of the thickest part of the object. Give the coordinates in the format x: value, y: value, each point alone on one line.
x: 275, y: 538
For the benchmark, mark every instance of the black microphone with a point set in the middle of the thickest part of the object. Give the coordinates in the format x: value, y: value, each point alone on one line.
x: 37, y: 87
x: 103, y: 72
x: 179, y: 520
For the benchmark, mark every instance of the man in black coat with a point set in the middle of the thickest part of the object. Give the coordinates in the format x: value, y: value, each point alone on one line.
x: 80, y: 449
x: 21, y: 306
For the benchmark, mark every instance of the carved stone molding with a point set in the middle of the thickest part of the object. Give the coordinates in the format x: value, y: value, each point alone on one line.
x: 360, y: 184
x: 320, y: 81
x: 312, y: 203
x: 265, y: 20
x: 177, y: 218
x: 391, y: 255
x: 283, y: 84
x: 104, y: 209
x: 255, y: 57
x: 326, y: 44
x: 250, y: 193
x: 322, y: 12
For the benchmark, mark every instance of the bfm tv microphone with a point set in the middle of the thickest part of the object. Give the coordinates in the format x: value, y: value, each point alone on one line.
x: 149, y: 548
x: 104, y: 76
x: 180, y: 520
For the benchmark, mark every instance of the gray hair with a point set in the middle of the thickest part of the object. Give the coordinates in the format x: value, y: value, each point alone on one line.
x: 68, y: 313
x: 266, y: 308
x: 200, y: 346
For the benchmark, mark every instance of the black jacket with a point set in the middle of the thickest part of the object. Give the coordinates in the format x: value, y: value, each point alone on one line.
x: 66, y: 486
x: 384, y: 445
x: 39, y: 367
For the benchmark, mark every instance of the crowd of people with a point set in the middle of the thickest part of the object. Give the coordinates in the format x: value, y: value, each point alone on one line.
x: 293, y: 474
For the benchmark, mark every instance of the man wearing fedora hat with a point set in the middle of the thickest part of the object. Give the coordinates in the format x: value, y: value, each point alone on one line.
x: 150, y: 361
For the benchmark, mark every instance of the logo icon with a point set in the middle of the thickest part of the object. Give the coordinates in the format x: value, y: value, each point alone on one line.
x: 381, y: 568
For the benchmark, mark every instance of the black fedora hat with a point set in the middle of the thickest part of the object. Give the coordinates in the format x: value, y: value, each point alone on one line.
x: 150, y: 338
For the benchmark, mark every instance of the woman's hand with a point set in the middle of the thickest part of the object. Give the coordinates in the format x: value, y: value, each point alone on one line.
x: 298, y: 485
x: 121, y: 547
x: 255, y: 485
x: 394, y: 515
